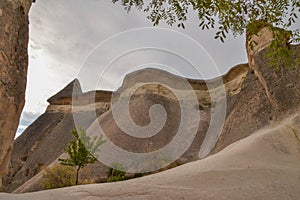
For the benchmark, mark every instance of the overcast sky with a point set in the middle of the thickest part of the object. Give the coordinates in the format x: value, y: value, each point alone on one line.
x: 63, y: 33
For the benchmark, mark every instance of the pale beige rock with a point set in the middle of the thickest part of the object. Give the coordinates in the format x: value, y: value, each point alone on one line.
x: 254, y: 45
x: 47, y: 130
x: 258, y: 42
x: 231, y: 81
x: 31, y: 152
x: 265, y: 165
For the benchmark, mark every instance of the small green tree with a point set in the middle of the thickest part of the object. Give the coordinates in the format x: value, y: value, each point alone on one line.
x: 81, y: 151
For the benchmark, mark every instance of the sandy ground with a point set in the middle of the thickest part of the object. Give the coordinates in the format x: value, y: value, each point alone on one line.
x: 266, y: 165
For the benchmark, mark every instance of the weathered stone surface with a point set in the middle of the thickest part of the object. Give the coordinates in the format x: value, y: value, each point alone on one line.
x: 266, y: 97
x: 232, y: 84
x: 72, y: 96
x: 251, y: 109
x: 13, y: 72
x: 30, y: 154
x: 64, y: 97
x: 259, y: 42
x: 263, y: 166
x: 45, y: 140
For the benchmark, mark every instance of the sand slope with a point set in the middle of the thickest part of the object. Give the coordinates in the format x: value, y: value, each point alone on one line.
x: 265, y: 165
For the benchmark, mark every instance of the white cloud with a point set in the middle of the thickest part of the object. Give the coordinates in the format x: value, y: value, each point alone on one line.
x: 26, y: 119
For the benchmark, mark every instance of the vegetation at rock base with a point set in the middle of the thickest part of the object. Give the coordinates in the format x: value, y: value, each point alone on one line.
x: 58, y: 176
x: 81, y: 151
x: 116, y: 172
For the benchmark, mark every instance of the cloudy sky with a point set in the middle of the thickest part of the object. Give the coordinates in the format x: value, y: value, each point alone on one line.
x: 67, y: 38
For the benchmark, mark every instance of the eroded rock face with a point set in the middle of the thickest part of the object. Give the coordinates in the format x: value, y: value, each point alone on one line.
x: 267, y: 95
x: 255, y: 44
x: 262, y: 166
x: 251, y: 109
x: 13, y: 72
x: 231, y: 81
x: 52, y: 130
x: 46, y: 138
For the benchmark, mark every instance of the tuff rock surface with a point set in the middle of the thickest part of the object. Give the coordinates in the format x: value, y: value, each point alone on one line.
x: 52, y: 130
x: 13, y: 72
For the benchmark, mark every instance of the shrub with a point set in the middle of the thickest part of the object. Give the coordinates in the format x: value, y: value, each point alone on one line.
x: 58, y: 176
x: 116, y: 173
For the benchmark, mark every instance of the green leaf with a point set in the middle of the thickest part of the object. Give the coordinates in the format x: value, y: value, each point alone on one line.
x: 81, y: 149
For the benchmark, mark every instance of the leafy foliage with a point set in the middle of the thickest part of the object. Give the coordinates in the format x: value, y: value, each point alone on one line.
x: 278, y: 53
x: 81, y: 150
x: 234, y: 15
x: 58, y: 176
x: 116, y: 173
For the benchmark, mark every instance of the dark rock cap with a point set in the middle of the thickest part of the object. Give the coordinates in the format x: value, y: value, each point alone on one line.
x: 67, y: 92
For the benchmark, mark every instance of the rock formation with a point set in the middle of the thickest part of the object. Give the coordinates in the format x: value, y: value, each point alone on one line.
x: 264, y: 165
x: 52, y: 129
x: 44, y: 140
x: 251, y: 109
x: 257, y: 42
x: 13, y: 72
x: 248, y: 110
x: 265, y: 98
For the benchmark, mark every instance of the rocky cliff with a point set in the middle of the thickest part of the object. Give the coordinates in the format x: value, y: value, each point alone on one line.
x: 248, y: 110
x: 45, y: 139
x: 264, y: 165
x: 13, y: 72
x: 251, y: 109
x: 263, y: 99
x: 52, y: 129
